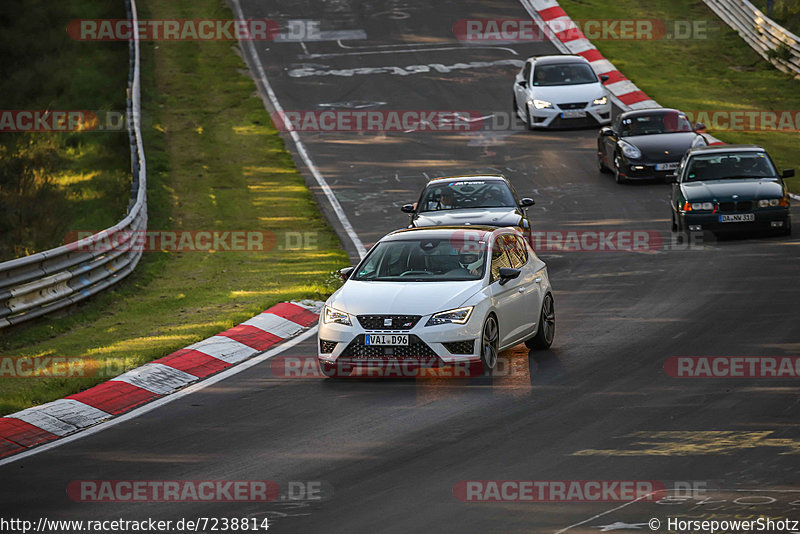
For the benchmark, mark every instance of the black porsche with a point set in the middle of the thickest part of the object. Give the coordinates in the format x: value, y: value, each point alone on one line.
x: 646, y: 144
x: 730, y: 188
x: 487, y: 200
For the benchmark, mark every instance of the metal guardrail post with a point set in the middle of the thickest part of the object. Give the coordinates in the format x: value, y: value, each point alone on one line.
x: 770, y: 40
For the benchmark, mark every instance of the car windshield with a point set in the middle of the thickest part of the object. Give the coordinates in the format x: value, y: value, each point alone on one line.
x: 655, y: 123
x: 729, y: 166
x: 424, y: 260
x: 460, y: 195
x: 563, y: 74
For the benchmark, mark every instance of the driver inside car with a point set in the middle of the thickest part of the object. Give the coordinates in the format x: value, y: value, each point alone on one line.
x: 470, y: 261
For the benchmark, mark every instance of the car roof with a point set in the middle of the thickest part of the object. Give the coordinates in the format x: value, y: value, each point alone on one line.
x: 726, y: 148
x: 553, y: 60
x: 441, y: 232
x: 648, y: 111
x: 470, y: 178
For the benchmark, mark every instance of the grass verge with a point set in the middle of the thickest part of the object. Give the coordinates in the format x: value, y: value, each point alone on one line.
x: 52, y: 182
x: 719, y: 72
x: 215, y: 162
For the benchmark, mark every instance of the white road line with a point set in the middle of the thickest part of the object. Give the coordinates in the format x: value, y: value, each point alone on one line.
x: 165, y: 400
x: 301, y: 149
x: 337, y: 54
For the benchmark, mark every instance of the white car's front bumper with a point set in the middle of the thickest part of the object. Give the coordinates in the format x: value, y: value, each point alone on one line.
x: 558, y: 118
x: 428, y: 345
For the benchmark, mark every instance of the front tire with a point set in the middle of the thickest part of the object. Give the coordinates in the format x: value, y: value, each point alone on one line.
x: 490, y: 340
x: 601, y: 166
x: 617, y: 176
x: 529, y: 118
x: 547, y: 326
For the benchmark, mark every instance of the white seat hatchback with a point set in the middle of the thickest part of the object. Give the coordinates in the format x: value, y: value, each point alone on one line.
x: 434, y: 297
x: 560, y: 92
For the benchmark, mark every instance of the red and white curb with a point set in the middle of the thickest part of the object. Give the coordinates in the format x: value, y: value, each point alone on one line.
x: 572, y: 41
x: 28, y: 428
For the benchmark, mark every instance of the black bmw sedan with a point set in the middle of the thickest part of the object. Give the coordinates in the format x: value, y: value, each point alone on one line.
x: 646, y: 144
x: 730, y: 188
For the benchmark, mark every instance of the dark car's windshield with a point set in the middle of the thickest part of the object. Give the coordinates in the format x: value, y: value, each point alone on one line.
x: 424, y: 260
x: 471, y: 194
x: 563, y: 74
x: 729, y: 165
x: 655, y: 123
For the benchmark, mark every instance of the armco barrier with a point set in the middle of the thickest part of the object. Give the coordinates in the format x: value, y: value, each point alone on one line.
x: 760, y: 32
x: 47, y: 281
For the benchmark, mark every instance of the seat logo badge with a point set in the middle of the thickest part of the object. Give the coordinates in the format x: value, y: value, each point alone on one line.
x: 387, y: 322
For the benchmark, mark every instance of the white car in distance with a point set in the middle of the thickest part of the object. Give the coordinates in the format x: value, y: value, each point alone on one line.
x: 437, y: 297
x: 560, y: 92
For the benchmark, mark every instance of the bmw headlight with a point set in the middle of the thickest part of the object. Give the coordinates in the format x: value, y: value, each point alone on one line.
x: 702, y: 206
x: 768, y: 202
x: 457, y: 316
x: 629, y: 150
x: 542, y: 104
x: 600, y: 101
x: 332, y: 315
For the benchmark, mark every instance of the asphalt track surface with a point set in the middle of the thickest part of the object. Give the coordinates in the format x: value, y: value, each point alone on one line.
x: 597, y: 406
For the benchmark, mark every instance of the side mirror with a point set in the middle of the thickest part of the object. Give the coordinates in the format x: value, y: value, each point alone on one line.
x: 606, y: 131
x: 407, y: 208
x: 507, y: 274
x: 699, y: 127
x: 604, y: 78
x: 522, y: 83
x: 527, y: 202
x: 345, y: 273
x: 787, y: 173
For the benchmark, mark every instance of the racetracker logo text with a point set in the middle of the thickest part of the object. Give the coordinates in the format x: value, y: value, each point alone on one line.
x: 404, y: 121
x: 527, y: 30
x: 173, y: 30
x: 733, y: 366
x: 173, y: 490
x: 557, y: 490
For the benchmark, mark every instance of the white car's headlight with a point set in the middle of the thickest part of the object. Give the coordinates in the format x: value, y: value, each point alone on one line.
x: 542, y: 104
x: 332, y: 315
x: 768, y: 202
x: 600, y: 101
x: 457, y: 316
x: 629, y: 150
